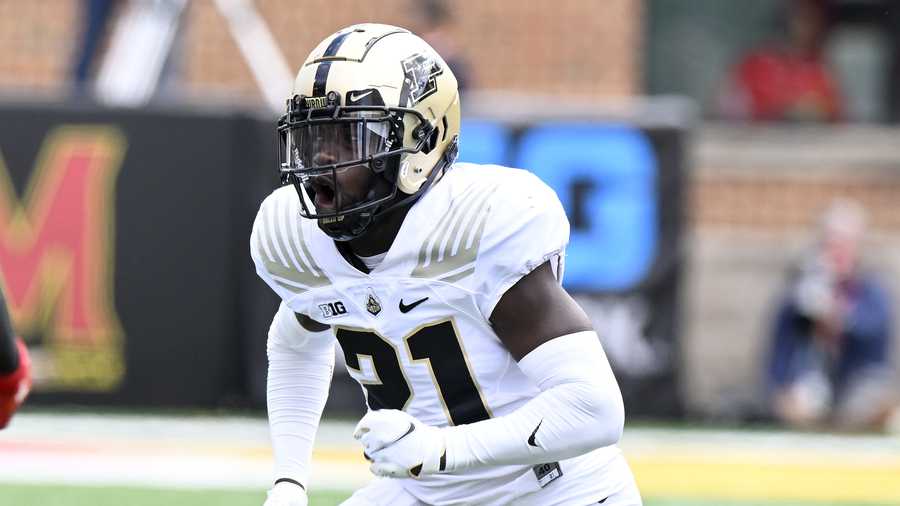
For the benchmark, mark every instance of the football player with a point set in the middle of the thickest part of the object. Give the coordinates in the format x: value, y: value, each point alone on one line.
x: 15, y: 368
x: 484, y: 380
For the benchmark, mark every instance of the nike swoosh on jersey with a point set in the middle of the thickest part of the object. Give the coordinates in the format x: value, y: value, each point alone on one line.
x: 407, y: 308
x: 356, y: 97
x: 531, y: 440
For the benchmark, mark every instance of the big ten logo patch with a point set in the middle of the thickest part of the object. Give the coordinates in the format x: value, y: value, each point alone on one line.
x: 332, y: 309
x: 56, y: 258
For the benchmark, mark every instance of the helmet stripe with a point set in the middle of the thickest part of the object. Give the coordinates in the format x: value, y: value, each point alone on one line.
x: 325, y: 66
x: 335, y: 44
x: 321, y: 79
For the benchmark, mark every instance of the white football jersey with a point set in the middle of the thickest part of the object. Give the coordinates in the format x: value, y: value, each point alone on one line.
x: 415, y: 330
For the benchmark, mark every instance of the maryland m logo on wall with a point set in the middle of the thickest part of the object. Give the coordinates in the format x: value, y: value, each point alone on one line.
x: 56, y: 258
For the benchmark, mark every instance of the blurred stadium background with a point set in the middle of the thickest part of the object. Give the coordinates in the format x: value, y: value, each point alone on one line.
x: 136, y: 143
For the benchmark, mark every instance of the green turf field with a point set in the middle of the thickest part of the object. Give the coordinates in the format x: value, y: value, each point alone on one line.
x: 42, y: 495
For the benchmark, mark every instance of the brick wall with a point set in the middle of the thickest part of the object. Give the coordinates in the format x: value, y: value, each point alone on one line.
x: 788, y: 204
x: 36, y: 43
x: 778, y: 179
x: 567, y: 46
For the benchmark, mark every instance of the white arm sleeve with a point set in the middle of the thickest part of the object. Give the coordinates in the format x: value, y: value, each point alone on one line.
x: 300, y: 367
x: 579, y: 409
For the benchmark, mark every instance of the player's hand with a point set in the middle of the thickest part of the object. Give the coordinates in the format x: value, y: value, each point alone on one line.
x: 399, y: 445
x: 14, y: 387
x: 287, y: 494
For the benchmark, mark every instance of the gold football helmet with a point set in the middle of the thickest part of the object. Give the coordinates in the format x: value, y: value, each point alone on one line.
x: 372, y: 96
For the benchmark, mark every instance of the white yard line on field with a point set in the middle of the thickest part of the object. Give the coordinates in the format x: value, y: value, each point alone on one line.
x: 233, y: 452
x: 186, y: 452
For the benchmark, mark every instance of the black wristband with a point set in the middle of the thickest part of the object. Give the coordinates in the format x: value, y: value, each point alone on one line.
x: 288, y: 480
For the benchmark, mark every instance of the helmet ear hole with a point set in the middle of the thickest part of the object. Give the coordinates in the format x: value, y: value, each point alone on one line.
x: 432, y: 141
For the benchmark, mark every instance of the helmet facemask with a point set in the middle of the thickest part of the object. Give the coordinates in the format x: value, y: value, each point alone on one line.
x: 344, y: 160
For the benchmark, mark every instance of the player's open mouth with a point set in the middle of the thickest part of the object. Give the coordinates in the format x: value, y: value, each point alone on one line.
x: 323, y: 187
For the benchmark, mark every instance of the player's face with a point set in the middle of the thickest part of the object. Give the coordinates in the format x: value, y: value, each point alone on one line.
x: 327, y: 145
x: 345, y: 189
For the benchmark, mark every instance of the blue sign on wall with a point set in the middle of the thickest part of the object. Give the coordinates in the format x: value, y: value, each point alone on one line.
x: 484, y: 142
x: 605, y: 176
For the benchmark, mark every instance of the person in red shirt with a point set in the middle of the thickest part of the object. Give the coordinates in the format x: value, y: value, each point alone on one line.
x: 15, y: 368
x: 786, y: 81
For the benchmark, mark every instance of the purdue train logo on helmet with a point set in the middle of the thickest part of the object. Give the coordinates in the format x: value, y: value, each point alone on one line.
x: 373, y: 121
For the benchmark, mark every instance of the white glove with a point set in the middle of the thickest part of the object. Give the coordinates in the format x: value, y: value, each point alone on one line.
x: 400, y: 446
x: 287, y: 494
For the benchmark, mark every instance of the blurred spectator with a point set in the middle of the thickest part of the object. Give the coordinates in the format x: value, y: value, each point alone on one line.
x: 95, y: 16
x: 433, y: 21
x: 830, y: 356
x: 786, y: 80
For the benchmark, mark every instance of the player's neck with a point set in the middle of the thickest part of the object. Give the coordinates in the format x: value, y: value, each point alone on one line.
x: 380, y: 235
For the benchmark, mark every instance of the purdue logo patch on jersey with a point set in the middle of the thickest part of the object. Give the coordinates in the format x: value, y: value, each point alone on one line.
x: 373, y: 305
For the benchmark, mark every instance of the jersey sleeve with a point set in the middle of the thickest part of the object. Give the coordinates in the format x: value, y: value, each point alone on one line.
x: 261, y: 249
x: 281, y: 253
x: 526, y: 227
